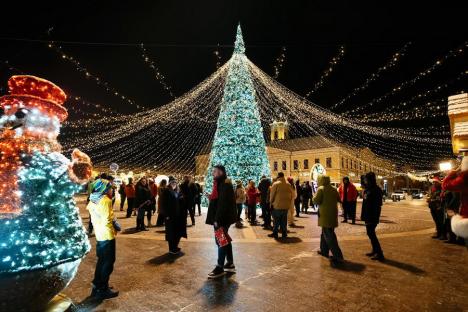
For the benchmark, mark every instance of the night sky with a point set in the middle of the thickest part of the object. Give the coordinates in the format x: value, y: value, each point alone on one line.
x: 181, y: 37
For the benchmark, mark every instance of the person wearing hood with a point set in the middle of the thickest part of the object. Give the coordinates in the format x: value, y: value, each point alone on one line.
x: 281, y: 198
x: 105, y: 228
x: 172, y: 208
x: 222, y: 213
x: 327, y: 198
x: 370, y: 213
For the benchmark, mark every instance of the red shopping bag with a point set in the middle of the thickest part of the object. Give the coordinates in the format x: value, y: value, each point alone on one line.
x: 222, y: 238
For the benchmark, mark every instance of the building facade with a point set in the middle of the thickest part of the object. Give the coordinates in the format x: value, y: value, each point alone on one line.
x: 296, y: 158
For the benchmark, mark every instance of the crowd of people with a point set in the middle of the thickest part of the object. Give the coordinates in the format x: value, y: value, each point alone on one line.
x: 446, y: 200
x: 281, y: 200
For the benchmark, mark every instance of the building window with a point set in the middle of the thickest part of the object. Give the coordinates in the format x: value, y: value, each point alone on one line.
x: 276, y: 135
x: 342, y: 162
x: 317, y: 160
x: 347, y: 163
x: 329, y: 162
x: 283, y: 165
x: 296, y: 165
x: 306, y: 164
x: 275, y: 166
x: 360, y: 166
x: 365, y: 167
x: 355, y: 164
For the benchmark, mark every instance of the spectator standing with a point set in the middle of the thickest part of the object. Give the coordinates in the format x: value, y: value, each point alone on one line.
x: 348, y: 199
x: 152, y: 207
x: 187, y: 193
x: 142, y: 203
x: 263, y: 187
x: 281, y: 199
x: 171, y: 206
x: 291, y: 208
x: 327, y: 198
x: 105, y: 227
x: 222, y: 214
x: 370, y: 214
x: 122, y: 195
x: 160, y: 219
x: 252, y: 196
x: 130, y: 194
x: 240, y: 200
x: 435, y: 207
x: 198, y: 196
x: 297, y: 200
x: 306, y: 196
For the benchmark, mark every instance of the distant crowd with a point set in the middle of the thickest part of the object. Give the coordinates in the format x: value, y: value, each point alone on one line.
x: 281, y: 201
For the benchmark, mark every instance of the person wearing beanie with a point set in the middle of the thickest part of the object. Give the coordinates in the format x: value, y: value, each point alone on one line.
x: 106, y: 228
x: 222, y: 214
x: 171, y: 207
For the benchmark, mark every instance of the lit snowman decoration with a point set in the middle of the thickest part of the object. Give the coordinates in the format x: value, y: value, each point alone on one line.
x: 42, y: 239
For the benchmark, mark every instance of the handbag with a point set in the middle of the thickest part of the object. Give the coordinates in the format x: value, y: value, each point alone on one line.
x: 222, y: 238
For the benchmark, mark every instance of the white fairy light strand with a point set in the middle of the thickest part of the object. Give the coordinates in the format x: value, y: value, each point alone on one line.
x: 157, y: 73
x: 279, y: 63
x: 90, y: 76
x: 394, y: 60
x: 328, y: 71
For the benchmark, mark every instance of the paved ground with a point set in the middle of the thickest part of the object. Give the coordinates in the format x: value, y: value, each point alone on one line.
x: 420, y: 274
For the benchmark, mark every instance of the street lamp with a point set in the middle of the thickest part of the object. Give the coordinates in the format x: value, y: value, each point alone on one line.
x: 445, y: 166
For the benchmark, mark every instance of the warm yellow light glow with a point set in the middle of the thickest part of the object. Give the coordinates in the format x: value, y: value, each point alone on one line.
x: 445, y: 166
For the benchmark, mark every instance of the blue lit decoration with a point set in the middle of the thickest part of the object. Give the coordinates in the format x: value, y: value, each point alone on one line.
x: 239, y: 144
x: 49, y: 229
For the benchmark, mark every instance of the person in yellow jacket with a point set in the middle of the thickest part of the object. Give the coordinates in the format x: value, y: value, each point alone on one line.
x: 105, y: 228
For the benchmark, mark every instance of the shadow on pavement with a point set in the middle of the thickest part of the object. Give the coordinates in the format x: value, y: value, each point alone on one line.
x: 130, y: 231
x: 349, y: 266
x: 289, y: 240
x: 88, y: 304
x: 297, y: 226
x: 219, y: 292
x: 387, y: 221
x: 404, y: 266
x: 166, y: 258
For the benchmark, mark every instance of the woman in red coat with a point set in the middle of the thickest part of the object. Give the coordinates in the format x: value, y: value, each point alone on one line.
x: 348, y: 198
x: 252, y: 196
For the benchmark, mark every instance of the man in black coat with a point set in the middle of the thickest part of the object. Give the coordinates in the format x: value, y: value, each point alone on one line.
x: 187, y: 190
x: 264, y: 187
x: 370, y: 214
x: 222, y: 213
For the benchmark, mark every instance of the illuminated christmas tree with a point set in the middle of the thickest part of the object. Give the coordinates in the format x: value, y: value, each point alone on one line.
x: 238, y: 143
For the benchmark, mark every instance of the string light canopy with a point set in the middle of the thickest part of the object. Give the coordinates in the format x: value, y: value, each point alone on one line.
x: 167, y: 139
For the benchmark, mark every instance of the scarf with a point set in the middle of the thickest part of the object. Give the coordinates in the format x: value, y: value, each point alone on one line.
x: 214, y: 192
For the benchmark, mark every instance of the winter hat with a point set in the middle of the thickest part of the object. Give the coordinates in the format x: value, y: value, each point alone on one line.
x: 30, y: 92
x: 100, y: 188
x: 222, y: 168
x: 172, y: 179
